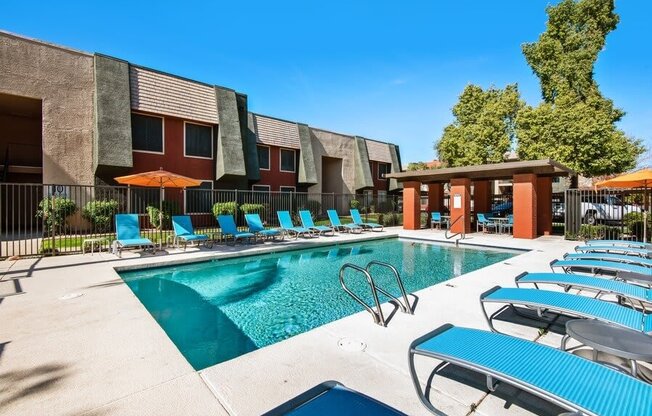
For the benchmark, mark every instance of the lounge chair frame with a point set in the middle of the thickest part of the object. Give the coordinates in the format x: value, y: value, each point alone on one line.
x: 541, y: 309
x: 118, y: 246
x: 184, y: 238
x: 493, y: 376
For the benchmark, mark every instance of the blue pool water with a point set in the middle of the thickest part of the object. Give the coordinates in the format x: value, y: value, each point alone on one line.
x: 217, y: 310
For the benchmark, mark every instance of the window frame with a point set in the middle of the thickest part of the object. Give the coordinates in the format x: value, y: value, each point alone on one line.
x: 269, y: 157
x: 280, y: 160
x: 212, y: 140
x: 286, y: 188
x: 380, y: 178
x: 269, y: 188
x: 185, y: 197
x: 152, y: 152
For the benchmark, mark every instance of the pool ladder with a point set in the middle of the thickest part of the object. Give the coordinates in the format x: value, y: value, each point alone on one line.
x: 376, y: 313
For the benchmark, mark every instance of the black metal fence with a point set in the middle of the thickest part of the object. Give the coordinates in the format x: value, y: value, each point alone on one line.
x: 605, y: 214
x: 40, y: 219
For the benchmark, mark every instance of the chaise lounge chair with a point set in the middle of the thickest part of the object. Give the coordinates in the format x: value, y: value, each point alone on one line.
x: 256, y: 226
x: 633, y: 293
x: 332, y: 398
x: 623, y: 243
x: 337, y: 224
x: 629, y: 251
x: 229, y: 229
x: 564, y: 304
x: 307, y: 222
x: 611, y: 268
x: 128, y: 234
x: 288, y: 227
x: 357, y: 220
x: 618, y: 258
x: 183, y: 231
x: 569, y: 381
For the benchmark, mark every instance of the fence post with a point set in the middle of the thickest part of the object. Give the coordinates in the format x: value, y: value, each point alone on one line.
x: 54, y: 227
x: 235, y: 212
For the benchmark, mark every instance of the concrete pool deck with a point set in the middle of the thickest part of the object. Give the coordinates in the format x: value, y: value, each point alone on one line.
x: 75, y: 340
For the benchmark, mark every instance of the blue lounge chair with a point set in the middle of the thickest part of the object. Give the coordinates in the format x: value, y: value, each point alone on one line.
x: 564, y: 304
x: 183, y: 231
x: 288, y: 227
x: 633, y: 293
x: 435, y: 218
x: 332, y: 398
x: 569, y: 381
x: 629, y: 251
x: 229, y: 229
x: 337, y: 224
x: 507, y: 226
x: 623, y: 243
x: 485, y: 223
x: 611, y: 268
x: 618, y: 258
x: 357, y: 220
x: 128, y: 234
x: 256, y: 226
x: 307, y: 222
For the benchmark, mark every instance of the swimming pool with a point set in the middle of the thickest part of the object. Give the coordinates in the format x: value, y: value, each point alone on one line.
x: 218, y: 310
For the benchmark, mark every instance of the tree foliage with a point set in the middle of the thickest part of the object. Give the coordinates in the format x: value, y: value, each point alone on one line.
x: 484, y: 126
x: 417, y: 166
x: 574, y: 124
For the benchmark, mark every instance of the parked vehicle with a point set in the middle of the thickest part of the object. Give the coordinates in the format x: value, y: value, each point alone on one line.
x: 605, y: 209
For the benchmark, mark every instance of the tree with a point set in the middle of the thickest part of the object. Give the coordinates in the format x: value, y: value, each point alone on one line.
x: 417, y: 166
x: 484, y: 126
x: 574, y: 124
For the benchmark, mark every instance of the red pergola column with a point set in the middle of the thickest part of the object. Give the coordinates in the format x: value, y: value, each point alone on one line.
x: 460, y: 205
x: 411, y: 205
x: 544, y: 205
x: 525, y: 205
x: 435, y: 197
x: 481, y: 196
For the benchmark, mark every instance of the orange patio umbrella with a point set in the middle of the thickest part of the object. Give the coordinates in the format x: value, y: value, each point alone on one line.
x: 638, y: 179
x: 158, y: 179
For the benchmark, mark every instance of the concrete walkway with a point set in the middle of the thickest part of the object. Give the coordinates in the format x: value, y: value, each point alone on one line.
x: 75, y: 340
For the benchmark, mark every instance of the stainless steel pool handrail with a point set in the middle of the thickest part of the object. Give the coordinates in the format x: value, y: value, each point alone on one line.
x: 462, y: 234
x: 376, y: 314
x: 405, y: 305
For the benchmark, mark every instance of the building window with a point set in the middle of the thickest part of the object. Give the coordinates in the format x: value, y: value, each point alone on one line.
x: 288, y: 189
x: 199, y: 199
x: 555, y: 179
x: 288, y: 160
x: 146, y: 133
x: 383, y: 169
x: 261, y: 188
x: 263, y: 157
x: 368, y: 195
x: 198, y: 141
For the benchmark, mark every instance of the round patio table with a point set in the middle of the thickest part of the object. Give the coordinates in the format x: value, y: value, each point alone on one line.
x: 612, y: 339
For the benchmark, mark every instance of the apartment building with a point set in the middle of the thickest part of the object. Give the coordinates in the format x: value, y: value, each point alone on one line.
x: 71, y: 117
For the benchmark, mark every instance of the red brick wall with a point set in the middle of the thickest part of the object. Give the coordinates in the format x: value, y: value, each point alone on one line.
x: 379, y: 184
x: 173, y: 159
x: 274, y: 177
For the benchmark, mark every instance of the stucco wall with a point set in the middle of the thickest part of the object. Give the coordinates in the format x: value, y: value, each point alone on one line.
x: 63, y: 79
x: 325, y: 143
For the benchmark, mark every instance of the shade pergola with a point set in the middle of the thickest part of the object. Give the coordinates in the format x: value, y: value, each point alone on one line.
x: 532, y: 193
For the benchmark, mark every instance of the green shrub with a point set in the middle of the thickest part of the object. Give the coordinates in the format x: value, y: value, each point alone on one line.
x: 390, y: 219
x: 170, y: 208
x: 100, y: 214
x: 592, y: 232
x: 225, y: 208
x: 251, y: 209
x: 634, y: 223
x: 355, y: 204
x: 313, y: 206
x: 54, y: 210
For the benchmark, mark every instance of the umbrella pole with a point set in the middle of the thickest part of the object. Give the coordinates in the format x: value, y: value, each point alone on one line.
x: 160, y: 219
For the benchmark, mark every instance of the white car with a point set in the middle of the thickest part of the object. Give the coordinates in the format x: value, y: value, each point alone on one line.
x: 605, y: 209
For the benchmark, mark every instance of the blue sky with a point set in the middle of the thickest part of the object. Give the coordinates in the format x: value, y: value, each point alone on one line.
x: 380, y: 69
